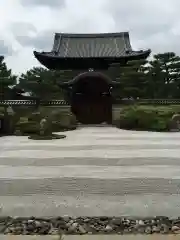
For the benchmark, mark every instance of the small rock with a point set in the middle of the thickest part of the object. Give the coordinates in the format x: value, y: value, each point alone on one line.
x: 128, y: 230
x: 54, y: 231
x: 66, y: 218
x: 7, y: 231
x: 141, y: 229
x: 108, y: 228
x: 164, y: 229
x: 2, y: 228
x: 30, y: 221
x: 141, y: 223
x: 37, y: 223
x: 103, y: 218
x: 117, y: 222
x: 73, y: 227
x: 17, y: 230
x: 82, y: 230
x: 126, y: 221
x: 175, y: 229
x: 69, y: 223
x: 86, y: 220
x: 59, y: 224
x: 156, y: 229
x: 148, y: 230
x: 30, y: 228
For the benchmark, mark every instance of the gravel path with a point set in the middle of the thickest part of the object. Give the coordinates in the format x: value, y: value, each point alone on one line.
x: 95, y: 171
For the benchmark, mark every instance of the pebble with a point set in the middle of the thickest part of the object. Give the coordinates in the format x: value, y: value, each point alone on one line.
x: 148, y: 230
x: 164, y: 229
x: 156, y: 229
x: 82, y: 230
x: 108, y: 228
x: 175, y: 229
x: 141, y: 223
x: 73, y: 227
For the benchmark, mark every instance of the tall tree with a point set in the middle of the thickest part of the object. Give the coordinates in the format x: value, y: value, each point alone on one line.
x: 41, y: 83
x: 133, y: 79
x: 6, y: 79
x: 164, y: 73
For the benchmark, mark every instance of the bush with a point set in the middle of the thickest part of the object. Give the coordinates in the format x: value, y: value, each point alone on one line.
x: 63, y: 121
x: 58, y: 127
x: 35, y: 116
x: 26, y: 128
x: 145, y: 118
x: 9, y: 123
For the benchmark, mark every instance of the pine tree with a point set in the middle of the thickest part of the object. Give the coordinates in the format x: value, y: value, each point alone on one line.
x: 6, y: 79
x: 164, y: 75
x: 133, y: 79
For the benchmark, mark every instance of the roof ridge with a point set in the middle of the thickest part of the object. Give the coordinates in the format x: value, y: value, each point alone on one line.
x: 91, y: 35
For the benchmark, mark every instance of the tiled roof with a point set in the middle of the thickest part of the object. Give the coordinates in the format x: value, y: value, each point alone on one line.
x: 92, y: 45
x: 83, y: 51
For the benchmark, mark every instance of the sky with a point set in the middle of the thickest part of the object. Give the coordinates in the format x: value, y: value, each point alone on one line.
x: 28, y: 25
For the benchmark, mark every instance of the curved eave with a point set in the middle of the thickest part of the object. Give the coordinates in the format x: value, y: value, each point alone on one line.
x: 55, y: 62
x: 145, y: 53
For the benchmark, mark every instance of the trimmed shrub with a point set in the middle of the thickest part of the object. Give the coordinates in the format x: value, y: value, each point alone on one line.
x: 63, y: 121
x: 57, y: 127
x: 147, y: 118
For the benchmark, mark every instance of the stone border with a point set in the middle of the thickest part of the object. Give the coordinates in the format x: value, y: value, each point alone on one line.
x: 94, y: 237
x: 89, y: 225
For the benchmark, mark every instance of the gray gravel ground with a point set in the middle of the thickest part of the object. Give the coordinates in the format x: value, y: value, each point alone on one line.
x: 95, y: 171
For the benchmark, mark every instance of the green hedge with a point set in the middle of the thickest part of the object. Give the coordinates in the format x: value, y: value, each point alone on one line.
x: 147, y: 118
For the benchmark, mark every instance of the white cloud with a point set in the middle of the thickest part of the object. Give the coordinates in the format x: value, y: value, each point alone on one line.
x: 152, y: 24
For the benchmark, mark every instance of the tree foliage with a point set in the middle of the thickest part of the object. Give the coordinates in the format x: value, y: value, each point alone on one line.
x: 164, y: 73
x: 40, y: 82
x: 7, y: 79
x: 156, y: 78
